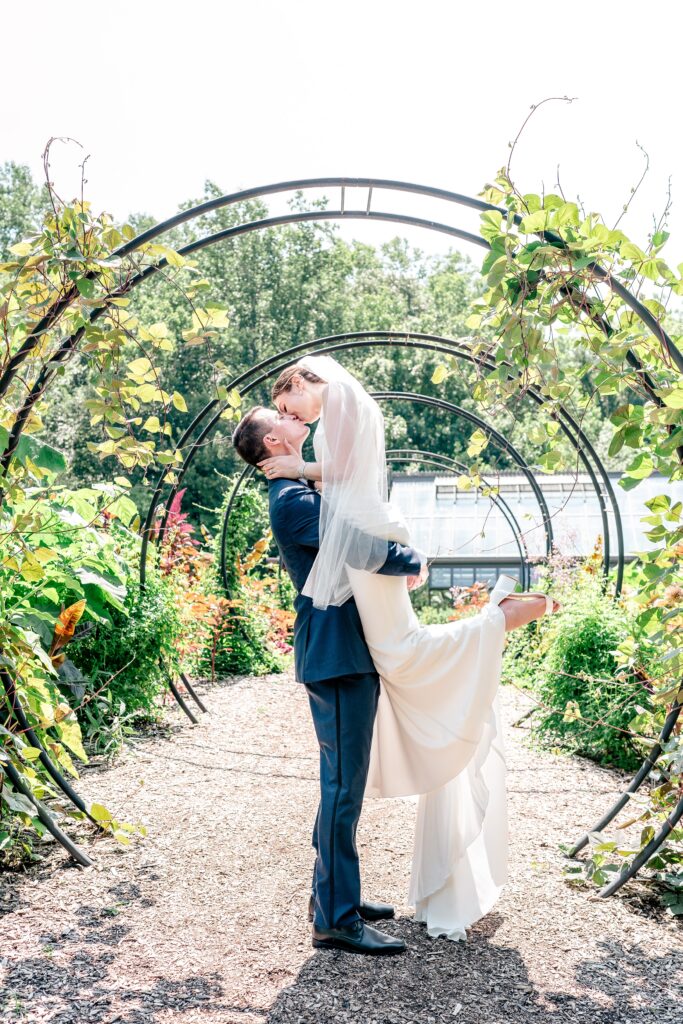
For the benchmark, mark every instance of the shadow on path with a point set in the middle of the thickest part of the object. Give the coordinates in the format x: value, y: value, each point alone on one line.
x: 478, y: 982
x: 83, y: 988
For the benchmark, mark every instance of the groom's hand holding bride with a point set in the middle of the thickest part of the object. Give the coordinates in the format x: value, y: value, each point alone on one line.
x: 292, y: 467
x: 417, y: 581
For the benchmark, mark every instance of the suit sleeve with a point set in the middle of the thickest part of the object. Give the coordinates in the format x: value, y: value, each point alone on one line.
x: 298, y: 514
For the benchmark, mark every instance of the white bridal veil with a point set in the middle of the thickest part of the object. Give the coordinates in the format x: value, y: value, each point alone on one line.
x: 356, y: 520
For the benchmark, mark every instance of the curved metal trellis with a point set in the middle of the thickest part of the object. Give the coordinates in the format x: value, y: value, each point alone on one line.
x: 647, y: 853
x: 636, y: 782
x: 47, y: 819
x: 445, y: 462
x: 393, y: 455
x: 339, y: 343
x: 44, y: 815
x: 582, y: 446
x: 15, y: 707
x: 498, y: 438
x: 303, y: 184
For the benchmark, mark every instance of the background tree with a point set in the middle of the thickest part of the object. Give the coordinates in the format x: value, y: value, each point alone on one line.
x: 22, y: 203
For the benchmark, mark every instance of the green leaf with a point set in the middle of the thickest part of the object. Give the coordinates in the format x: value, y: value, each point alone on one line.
x: 124, y: 509
x: 179, y: 402
x: 17, y: 802
x: 491, y: 221
x: 651, y: 269
x: 641, y: 467
x: 660, y: 503
x: 440, y: 374
x: 478, y: 442
x: 672, y: 397
x: 492, y: 258
x: 21, y: 248
x: 113, y: 593
x: 147, y: 392
x: 629, y: 251
x: 174, y: 259
x: 566, y: 215
x: 86, y: 287
x: 550, y: 461
x: 139, y: 367
x: 101, y: 814
x: 30, y: 753
x: 535, y: 222
x: 39, y: 452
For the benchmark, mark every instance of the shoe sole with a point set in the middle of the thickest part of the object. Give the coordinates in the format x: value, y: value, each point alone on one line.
x: 370, y: 920
x: 348, y: 948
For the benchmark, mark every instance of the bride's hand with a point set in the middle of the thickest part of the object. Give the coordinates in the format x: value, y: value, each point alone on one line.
x: 277, y: 466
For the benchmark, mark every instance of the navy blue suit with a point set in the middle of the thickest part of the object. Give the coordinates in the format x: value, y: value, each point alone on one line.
x: 333, y: 661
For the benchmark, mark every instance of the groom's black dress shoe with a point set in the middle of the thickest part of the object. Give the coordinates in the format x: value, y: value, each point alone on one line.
x: 368, y: 911
x: 357, y: 938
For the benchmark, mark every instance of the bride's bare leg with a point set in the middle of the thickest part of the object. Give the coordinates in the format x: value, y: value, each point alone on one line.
x: 519, y: 613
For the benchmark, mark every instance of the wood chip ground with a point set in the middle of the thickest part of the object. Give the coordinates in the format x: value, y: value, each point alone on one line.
x: 205, y: 920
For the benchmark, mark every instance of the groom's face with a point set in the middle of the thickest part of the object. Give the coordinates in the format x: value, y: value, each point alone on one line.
x: 284, y: 428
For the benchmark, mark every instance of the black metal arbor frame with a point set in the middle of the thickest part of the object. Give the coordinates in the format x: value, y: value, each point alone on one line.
x: 207, y: 419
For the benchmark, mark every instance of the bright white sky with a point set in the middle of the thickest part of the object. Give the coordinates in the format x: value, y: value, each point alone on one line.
x: 164, y: 94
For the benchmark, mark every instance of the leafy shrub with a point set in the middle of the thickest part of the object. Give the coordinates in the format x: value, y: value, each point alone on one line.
x: 434, y: 614
x: 588, y: 701
x: 79, y: 569
x: 127, y: 663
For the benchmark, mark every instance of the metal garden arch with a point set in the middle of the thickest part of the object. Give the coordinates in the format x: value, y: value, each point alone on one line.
x: 342, y: 212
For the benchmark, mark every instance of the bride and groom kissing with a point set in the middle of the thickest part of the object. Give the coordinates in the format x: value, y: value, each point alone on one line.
x: 399, y: 709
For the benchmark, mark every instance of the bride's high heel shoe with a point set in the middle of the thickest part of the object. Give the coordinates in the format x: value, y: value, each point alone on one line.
x: 505, y: 586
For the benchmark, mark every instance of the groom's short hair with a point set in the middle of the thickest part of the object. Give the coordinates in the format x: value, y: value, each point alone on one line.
x: 247, y: 439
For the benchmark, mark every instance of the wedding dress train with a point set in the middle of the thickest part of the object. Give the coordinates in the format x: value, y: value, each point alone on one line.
x: 438, y: 736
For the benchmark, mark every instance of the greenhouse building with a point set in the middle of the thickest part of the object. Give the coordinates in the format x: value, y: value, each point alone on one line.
x: 470, y: 537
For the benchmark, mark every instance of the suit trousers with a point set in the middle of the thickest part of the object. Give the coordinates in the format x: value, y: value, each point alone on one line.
x: 343, y: 711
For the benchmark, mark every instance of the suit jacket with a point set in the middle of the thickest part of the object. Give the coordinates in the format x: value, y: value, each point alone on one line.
x: 327, y: 643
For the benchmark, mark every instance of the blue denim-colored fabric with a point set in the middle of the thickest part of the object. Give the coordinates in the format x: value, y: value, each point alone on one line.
x: 327, y: 643
x: 343, y: 711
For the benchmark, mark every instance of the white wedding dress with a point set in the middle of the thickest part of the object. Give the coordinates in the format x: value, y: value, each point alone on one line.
x: 437, y: 733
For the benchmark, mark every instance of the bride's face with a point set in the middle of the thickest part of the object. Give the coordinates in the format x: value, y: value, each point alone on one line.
x: 303, y: 400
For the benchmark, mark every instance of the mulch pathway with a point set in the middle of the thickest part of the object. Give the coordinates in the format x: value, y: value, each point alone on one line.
x: 205, y: 920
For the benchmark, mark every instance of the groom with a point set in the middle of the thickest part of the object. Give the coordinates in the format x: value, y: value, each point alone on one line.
x: 332, y: 660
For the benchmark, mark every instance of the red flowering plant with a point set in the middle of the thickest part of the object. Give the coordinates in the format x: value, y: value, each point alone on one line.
x: 262, y: 592
x: 468, y: 600
x: 183, y: 558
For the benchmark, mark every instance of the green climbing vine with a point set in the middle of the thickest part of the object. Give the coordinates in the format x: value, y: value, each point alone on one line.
x: 65, y: 555
x: 553, y: 279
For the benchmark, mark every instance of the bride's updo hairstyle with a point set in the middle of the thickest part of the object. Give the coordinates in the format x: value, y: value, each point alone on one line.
x: 284, y: 381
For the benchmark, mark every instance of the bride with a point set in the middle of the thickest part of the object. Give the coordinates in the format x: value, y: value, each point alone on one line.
x: 437, y: 733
